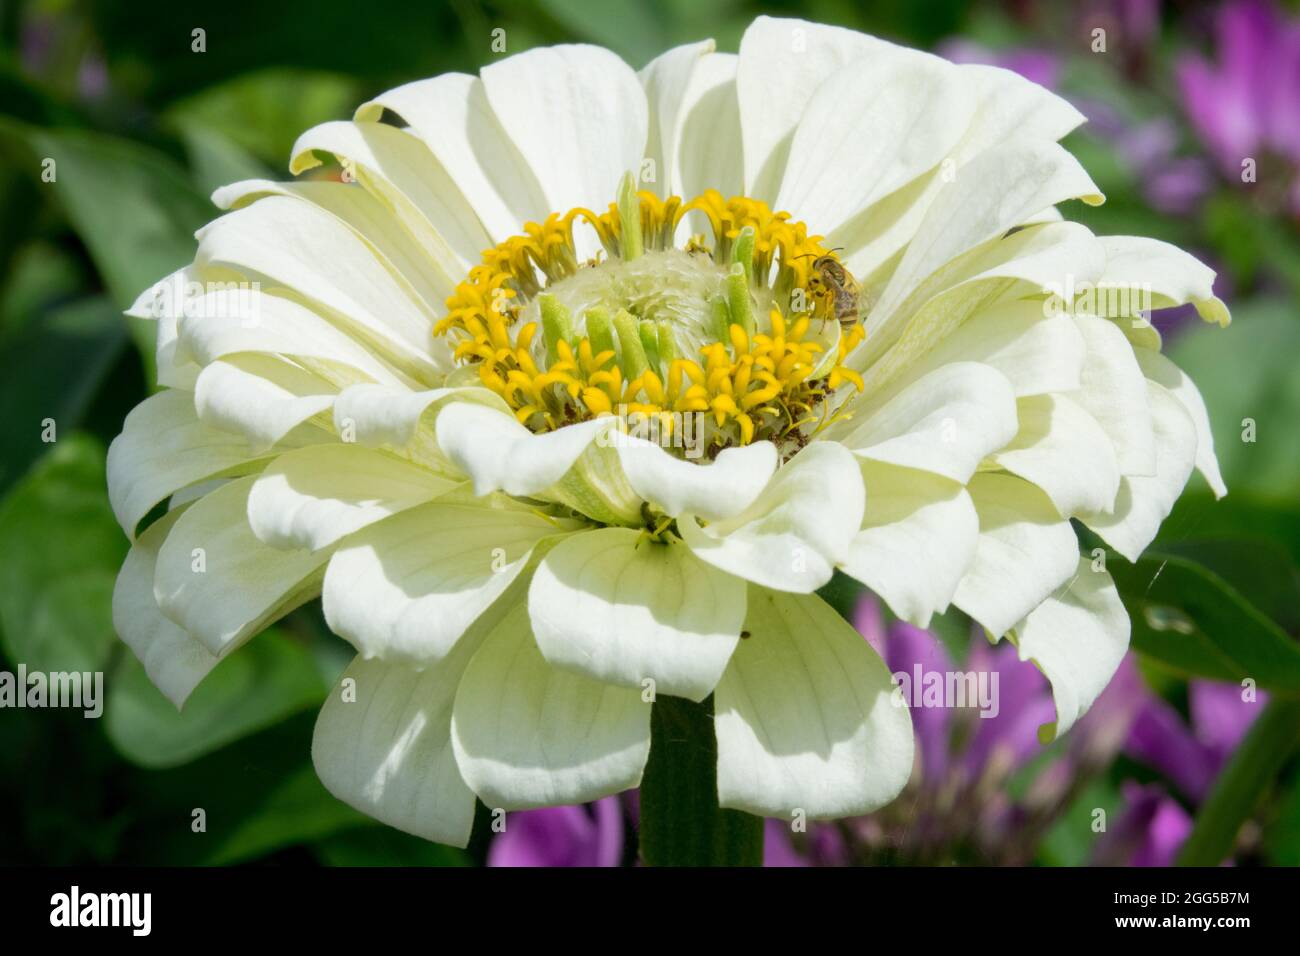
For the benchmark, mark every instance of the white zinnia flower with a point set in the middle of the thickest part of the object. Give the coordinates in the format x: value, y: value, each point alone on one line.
x: 415, y: 429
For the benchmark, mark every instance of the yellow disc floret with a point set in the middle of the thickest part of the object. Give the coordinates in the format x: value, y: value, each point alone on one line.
x: 733, y: 332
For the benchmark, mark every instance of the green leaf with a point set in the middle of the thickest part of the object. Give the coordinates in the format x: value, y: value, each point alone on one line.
x: 1197, y: 516
x: 1071, y: 838
x: 60, y: 549
x: 271, y: 678
x: 1282, y: 834
x: 132, y: 206
x: 42, y: 275
x: 1238, y: 790
x: 296, y: 809
x: 262, y: 113
x: 384, y: 846
x: 633, y: 29
x: 216, y: 160
x: 1188, y: 617
x: 1247, y: 372
x: 1259, y: 569
x: 256, y: 795
x: 53, y: 367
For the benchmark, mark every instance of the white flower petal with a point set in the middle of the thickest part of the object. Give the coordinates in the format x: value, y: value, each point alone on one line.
x: 382, y: 744
x: 621, y: 609
x: 945, y: 422
x: 220, y: 583
x: 871, y: 128
x: 408, y: 587
x: 1009, y: 107
x: 1077, y: 637
x: 281, y: 241
x: 781, y: 63
x: 527, y: 734
x: 451, y: 114
x: 1146, y: 500
x: 1169, y: 376
x: 795, y: 532
x: 175, y: 661
x: 999, y: 189
x: 719, y: 489
x: 804, y: 716
x: 1062, y: 450
x: 577, y: 114
x: 667, y: 81
x: 262, y: 397
x: 1024, y: 553
x: 1114, y: 392
x: 164, y: 302
x: 990, y: 277
x: 1036, y: 354
x: 227, y: 322
x: 499, y: 454
x: 312, y: 497
x: 1173, y: 276
x: 918, y: 537
x: 1012, y: 107
x: 400, y: 169
x: 370, y: 217
x: 164, y: 447
x: 707, y: 156
x: 380, y: 416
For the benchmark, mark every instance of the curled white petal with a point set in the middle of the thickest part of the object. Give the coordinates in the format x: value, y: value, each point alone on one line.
x: 719, y: 489
x: 618, y: 608
x: 805, y: 719
x: 582, y: 739
x: 797, y: 531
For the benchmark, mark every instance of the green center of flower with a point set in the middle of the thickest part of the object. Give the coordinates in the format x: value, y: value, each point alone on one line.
x: 748, y: 333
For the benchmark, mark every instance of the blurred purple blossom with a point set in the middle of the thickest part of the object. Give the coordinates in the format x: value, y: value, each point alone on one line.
x: 1247, y: 104
x: 958, y: 807
x: 1041, y: 66
x: 1148, y: 832
x: 1190, y: 754
x: 562, y: 836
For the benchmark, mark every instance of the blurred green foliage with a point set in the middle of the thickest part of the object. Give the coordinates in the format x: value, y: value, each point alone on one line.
x: 142, y: 128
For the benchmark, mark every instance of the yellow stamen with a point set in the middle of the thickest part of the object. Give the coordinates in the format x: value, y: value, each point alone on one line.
x: 754, y: 382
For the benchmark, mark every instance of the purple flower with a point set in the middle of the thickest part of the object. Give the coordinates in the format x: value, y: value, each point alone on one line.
x: 1148, y: 833
x: 957, y: 807
x: 1040, y: 66
x: 1247, y: 105
x: 1153, y: 825
x: 562, y: 836
x: 1190, y: 755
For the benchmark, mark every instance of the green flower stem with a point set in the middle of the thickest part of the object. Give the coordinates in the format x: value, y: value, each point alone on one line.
x: 681, y: 822
x: 1237, y: 792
